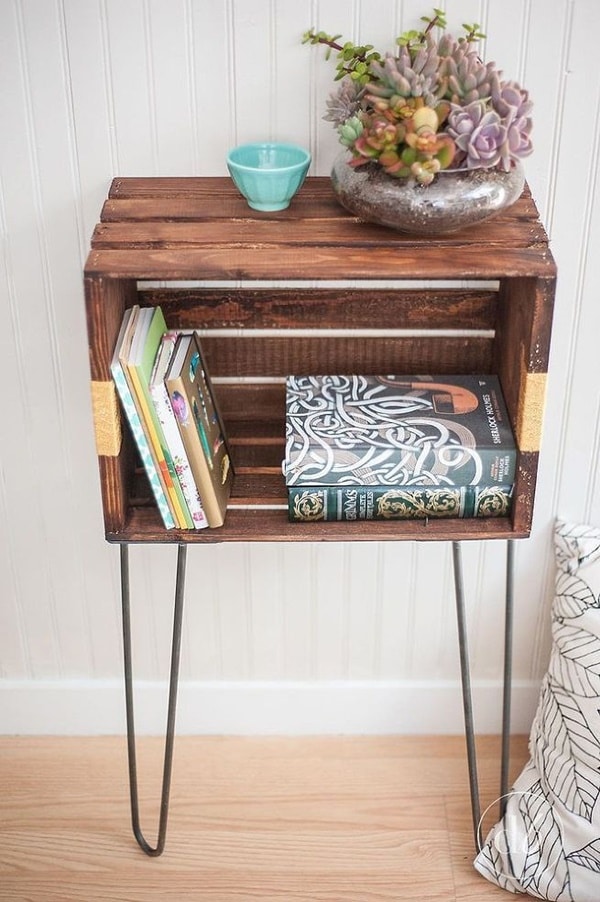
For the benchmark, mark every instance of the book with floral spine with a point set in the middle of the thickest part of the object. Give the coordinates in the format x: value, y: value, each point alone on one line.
x: 131, y: 413
x: 420, y: 431
x: 202, y: 430
x: 382, y: 502
x: 168, y: 422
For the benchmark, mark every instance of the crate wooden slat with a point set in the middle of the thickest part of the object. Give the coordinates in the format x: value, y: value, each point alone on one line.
x: 267, y: 525
x: 200, y: 229
x: 342, y: 308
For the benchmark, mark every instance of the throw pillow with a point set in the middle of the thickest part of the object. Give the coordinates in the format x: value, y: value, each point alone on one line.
x: 548, y: 842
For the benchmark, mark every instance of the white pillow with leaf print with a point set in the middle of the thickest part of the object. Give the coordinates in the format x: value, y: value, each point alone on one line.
x: 548, y: 842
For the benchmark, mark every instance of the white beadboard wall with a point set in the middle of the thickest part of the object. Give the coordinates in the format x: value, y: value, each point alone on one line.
x: 306, y: 638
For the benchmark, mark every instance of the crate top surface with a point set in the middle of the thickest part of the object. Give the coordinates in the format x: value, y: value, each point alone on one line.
x: 201, y: 228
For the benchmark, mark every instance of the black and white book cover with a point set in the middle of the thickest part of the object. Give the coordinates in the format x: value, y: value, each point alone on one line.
x: 435, y: 430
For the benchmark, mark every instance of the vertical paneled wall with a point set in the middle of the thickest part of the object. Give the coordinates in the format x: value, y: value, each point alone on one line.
x: 97, y: 88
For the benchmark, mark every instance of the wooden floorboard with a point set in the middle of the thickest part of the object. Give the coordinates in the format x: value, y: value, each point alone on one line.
x: 336, y: 819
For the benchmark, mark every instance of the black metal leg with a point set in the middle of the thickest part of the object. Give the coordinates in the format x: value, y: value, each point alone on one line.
x: 172, y: 706
x: 466, y: 685
x: 466, y: 690
x: 506, y: 700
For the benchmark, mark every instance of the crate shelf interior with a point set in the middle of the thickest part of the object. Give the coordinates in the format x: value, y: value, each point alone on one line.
x: 487, y: 308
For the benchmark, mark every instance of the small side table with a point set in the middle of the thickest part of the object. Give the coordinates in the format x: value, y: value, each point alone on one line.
x: 487, y: 308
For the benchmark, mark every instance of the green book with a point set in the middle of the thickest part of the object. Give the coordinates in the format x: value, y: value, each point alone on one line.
x: 139, y: 370
x: 379, y: 502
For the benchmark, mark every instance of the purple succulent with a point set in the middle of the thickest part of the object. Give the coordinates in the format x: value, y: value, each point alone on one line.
x: 478, y: 133
x: 343, y: 103
x: 513, y: 106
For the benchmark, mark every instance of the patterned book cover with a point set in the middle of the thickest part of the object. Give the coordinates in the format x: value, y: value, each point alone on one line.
x: 200, y: 426
x: 135, y: 425
x: 382, y: 502
x: 164, y: 411
x: 138, y: 370
x: 397, y: 431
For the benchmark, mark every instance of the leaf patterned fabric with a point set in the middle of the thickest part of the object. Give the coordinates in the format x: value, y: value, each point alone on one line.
x: 548, y: 842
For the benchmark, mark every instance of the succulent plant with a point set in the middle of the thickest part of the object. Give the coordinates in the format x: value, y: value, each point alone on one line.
x: 431, y: 104
x: 343, y: 103
x: 478, y: 134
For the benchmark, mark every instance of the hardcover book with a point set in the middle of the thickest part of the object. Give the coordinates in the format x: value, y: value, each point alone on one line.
x: 201, y: 427
x: 381, y: 502
x: 419, y: 431
x: 128, y: 404
x: 138, y: 369
x: 168, y: 422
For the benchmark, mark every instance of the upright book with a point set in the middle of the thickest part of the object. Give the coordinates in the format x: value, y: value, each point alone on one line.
x: 201, y: 427
x: 122, y: 348
x: 168, y: 422
x: 419, y: 431
x: 138, y: 369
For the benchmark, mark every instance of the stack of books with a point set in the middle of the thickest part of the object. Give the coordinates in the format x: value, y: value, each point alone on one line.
x: 168, y: 400
x: 397, y: 447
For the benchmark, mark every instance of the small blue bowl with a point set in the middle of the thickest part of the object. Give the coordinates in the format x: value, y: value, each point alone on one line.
x: 268, y: 173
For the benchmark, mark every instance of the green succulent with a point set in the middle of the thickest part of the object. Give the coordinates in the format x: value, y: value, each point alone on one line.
x: 463, y: 74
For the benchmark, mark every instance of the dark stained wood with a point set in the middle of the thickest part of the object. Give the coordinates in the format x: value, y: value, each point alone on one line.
x: 524, y: 490
x: 209, y: 187
x: 525, y: 322
x: 248, y: 356
x: 251, y: 233
x: 342, y: 308
x: 144, y: 525
x: 220, y: 262
x: 106, y: 302
x: 201, y: 229
x: 210, y: 193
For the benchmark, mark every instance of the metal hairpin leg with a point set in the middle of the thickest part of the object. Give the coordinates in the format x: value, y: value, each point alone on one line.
x: 466, y: 685
x: 508, y: 637
x: 173, y: 681
x: 465, y: 675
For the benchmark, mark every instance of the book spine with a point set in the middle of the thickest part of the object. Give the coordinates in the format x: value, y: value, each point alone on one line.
x: 166, y: 417
x: 363, y: 502
x: 498, y: 467
x: 157, y: 439
x: 197, y: 459
x: 142, y: 445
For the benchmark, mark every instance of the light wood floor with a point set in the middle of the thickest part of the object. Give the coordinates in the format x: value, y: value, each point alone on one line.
x: 318, y: 820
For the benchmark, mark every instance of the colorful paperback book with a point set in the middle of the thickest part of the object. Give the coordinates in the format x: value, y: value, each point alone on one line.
x: 138, y: 368
x: 200, y: 426
x: 420, y: 431
x: 381, y: 502
x: 133, y: 419
x: 168, y: 422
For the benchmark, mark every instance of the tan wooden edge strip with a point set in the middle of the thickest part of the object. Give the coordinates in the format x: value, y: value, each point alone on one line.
x: 530, y: 417
x: 107, y: 423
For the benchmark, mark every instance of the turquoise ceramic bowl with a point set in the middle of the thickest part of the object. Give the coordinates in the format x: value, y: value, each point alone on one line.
x: 268, y: 173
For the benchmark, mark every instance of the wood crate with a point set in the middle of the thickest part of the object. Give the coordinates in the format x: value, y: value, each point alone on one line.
x: 494, y: 317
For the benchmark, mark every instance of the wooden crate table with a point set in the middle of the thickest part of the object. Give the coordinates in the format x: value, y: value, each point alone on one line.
x: 311, y: 290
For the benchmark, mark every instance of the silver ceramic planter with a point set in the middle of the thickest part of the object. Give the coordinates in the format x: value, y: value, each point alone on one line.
x: 454, y: 200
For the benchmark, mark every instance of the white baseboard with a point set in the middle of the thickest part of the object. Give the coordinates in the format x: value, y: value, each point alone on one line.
x: 96, y: 707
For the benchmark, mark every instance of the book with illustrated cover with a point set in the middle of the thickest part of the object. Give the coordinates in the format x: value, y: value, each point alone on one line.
x: 122, y: 347
x: 381, y: 502
x: 401, y: 431
x: 138, y: 369
x: 201, y: 427
x: 168, y: 422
